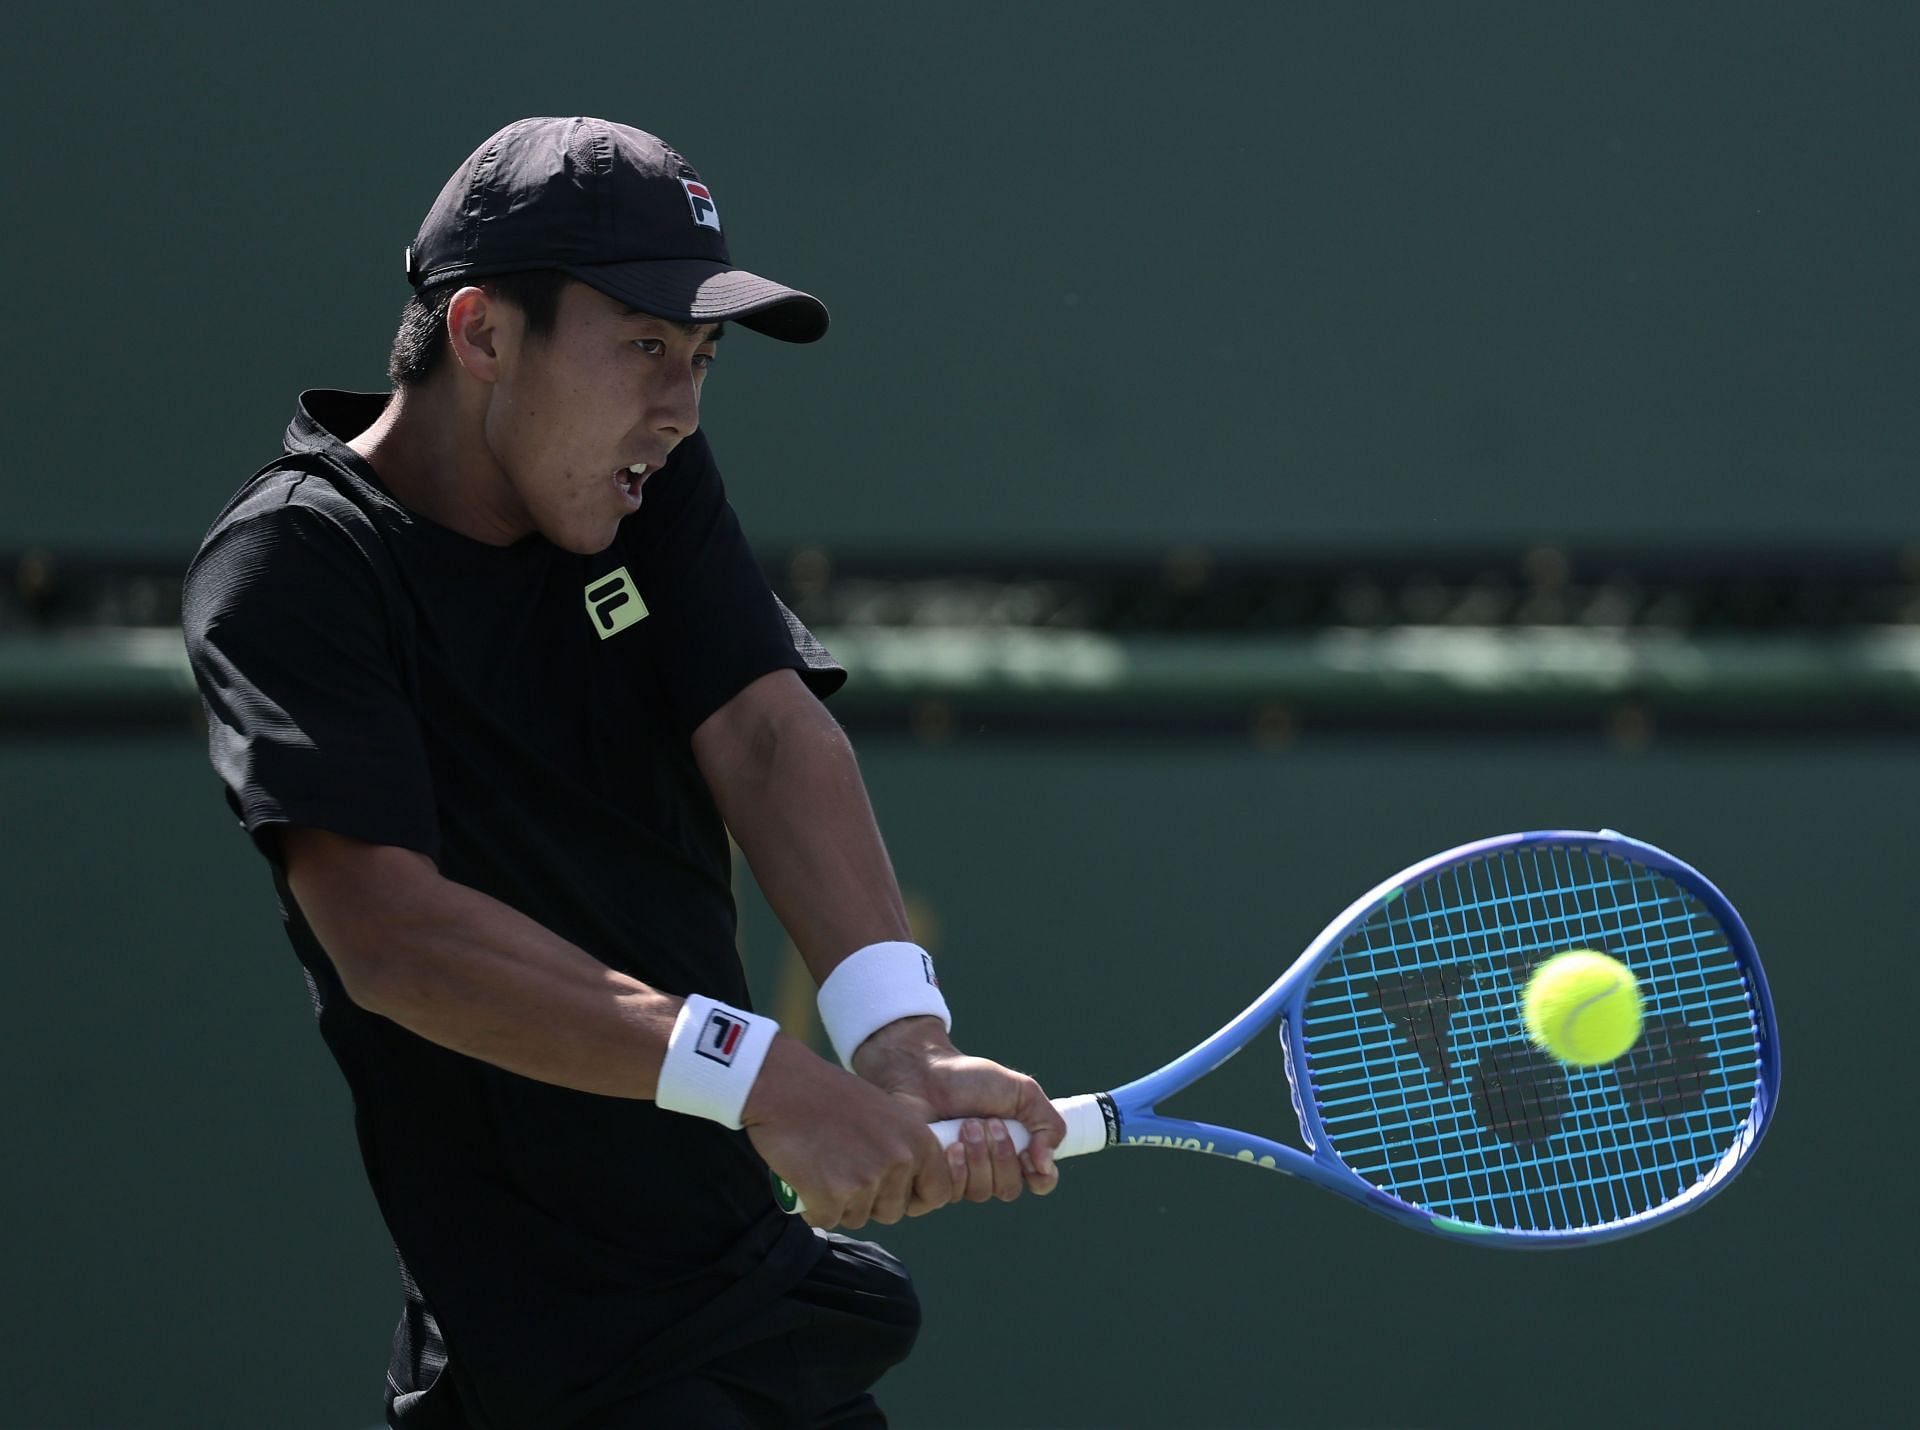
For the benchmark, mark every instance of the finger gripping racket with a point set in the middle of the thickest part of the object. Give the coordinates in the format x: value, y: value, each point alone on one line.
x: 1418, y: 1093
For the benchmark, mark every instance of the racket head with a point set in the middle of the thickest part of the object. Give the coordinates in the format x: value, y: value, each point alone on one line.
x: 1412, y: 1072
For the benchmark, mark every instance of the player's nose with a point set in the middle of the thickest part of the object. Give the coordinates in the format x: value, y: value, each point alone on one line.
x: 674, y: 407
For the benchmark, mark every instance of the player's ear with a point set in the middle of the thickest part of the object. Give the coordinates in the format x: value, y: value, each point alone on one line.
x: 476, y: 325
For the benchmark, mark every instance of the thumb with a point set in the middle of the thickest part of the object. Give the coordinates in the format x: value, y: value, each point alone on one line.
x: 1043, y: 1120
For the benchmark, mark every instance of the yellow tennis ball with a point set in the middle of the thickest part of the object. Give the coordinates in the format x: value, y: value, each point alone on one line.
x: 1583, y: 1007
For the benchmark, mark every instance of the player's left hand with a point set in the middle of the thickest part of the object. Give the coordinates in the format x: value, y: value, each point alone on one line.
x: 914, y: 1059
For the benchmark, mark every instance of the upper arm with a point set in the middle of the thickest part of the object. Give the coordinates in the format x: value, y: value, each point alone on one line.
x: 350, y: 892
x: 740, y: 737
x: 291, y: 632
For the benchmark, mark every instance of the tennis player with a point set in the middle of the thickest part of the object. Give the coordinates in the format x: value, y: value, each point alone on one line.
x: 490, y: 673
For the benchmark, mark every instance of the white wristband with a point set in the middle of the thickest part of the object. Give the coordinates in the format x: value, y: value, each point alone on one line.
x: 712, y: 1059
x: 871, y: 988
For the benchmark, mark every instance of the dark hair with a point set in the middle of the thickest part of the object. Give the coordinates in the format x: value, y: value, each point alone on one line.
x: 421, y: 341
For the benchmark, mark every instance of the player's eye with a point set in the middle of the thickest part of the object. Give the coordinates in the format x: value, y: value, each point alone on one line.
x: 653, y: 346
x: 703, y: 361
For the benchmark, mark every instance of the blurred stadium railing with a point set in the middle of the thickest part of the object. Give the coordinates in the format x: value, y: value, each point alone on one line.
x: 1622, y: 645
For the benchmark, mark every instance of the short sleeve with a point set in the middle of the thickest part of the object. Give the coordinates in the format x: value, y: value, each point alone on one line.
x: 718, y: 626
x: 309, y: 722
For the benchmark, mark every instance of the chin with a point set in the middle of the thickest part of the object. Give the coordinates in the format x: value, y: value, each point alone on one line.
x: 583, y: 543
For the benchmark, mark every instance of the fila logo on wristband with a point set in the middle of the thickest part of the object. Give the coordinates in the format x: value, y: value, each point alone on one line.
x: 720, y: 1039
x: 713, y: 1056
x: 926, y: 965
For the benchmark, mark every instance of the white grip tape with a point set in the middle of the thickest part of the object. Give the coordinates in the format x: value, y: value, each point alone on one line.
x: 1086, y: 1131
x: 1086, y: 1128
x: 1086, y: 1125
x: 879, y: 984
x: 712, y: 1058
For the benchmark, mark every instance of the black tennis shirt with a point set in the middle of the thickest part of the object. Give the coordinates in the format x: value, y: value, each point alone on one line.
x: 523, y: 716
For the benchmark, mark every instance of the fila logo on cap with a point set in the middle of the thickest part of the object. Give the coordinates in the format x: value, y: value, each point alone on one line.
x: 613, y: 603
x: 720, y: 1039
x: 701, y: 198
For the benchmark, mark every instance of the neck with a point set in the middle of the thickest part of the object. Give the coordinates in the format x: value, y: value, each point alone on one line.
x: 428, y: 448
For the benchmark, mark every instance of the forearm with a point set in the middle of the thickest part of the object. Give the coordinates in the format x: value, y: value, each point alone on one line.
x: 468, y: 972
x: 788, y: 786
x: 799, y: 811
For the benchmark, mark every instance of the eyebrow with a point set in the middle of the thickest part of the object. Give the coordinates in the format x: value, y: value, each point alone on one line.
x: 692, y: 330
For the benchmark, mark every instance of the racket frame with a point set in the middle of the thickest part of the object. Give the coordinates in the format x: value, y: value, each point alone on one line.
x: 1132, y: 1118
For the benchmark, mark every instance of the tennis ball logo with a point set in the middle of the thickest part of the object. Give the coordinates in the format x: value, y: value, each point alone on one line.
x: 1583, y: 1007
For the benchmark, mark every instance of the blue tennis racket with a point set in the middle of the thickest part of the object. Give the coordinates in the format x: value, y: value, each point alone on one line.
x: 1418, y: 1093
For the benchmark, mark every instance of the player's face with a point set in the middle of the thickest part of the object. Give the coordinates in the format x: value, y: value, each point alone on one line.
x: 580, y: 418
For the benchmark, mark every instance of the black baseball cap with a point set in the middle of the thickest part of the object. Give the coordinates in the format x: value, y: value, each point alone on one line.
x: 612, y: 206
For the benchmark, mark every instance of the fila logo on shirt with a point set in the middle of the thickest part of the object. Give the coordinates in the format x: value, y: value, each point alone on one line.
x: 614, y: 603
x: 720, y: 1039
x: 701, y: 198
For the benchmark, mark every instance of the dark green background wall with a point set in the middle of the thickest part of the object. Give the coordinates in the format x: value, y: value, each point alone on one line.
x: 1104, y: 277
x: 185, y: 1212
x: 1101, y: 273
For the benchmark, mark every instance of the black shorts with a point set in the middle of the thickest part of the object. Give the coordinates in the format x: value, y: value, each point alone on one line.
x: 808, y: 1361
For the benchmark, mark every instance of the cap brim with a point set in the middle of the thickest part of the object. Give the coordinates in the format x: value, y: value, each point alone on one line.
x: 695, y: 290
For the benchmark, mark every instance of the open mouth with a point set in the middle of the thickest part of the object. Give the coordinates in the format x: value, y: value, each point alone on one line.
x: 630, y: 480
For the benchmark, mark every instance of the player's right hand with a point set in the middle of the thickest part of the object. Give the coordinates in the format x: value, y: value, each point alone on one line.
x: 852, y: 1152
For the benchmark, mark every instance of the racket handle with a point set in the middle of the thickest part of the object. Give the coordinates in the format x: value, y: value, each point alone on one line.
x: 1086, y: 1132
x: 1086, y: 1128
x: 949, y: 1132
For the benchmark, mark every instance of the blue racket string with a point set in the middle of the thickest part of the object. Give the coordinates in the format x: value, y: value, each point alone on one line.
x: 1422, y: 1076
